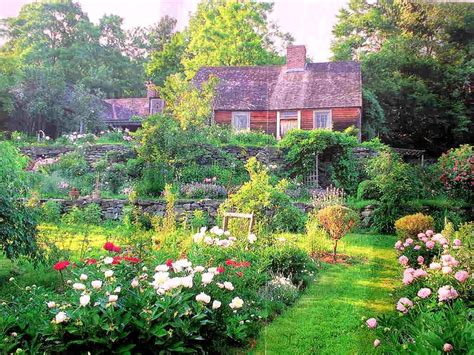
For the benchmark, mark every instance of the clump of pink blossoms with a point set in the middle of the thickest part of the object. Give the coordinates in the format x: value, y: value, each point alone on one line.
x: 447, y: 293
x: 404, y: 304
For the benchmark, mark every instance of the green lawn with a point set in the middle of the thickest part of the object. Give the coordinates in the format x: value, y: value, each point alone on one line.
x: 328, y: 317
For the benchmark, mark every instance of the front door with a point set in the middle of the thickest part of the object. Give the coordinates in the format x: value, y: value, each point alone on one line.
x: 286, y: 125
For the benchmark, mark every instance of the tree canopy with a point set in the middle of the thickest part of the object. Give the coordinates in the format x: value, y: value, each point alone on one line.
x: 417, y: 68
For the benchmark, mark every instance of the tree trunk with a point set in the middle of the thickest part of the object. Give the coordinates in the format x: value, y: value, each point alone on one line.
x: 334, y: 250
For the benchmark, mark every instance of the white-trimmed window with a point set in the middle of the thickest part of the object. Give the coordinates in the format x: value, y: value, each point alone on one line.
x: 322, y: 119
x: 241, y: 121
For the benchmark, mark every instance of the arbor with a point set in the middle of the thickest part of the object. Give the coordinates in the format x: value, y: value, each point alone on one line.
x: 416, y: 65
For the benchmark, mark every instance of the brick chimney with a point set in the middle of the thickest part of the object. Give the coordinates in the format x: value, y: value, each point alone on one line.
x: 295, y: 58
x: 151, y: 91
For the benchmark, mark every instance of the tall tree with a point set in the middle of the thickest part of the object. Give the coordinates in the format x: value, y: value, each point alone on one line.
x: 417, y: 63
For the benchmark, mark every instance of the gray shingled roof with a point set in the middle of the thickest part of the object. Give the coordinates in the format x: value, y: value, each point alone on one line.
x: 332, y: 84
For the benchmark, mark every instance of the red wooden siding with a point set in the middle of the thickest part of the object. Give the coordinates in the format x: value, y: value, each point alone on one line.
x: 267, y: 120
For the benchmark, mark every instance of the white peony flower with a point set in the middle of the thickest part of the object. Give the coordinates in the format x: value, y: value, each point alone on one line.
x: 60, y: 317
x: 162, y: 268
x: 212, y: 270
x: 228, y: 285
x: 51, y: 304
x: 108, y: 260
x: 108, y: 273
x: 180, y: 265
x: 84, y: 300
x: 202, y: 297
x: 199, y: 268
x: 252, y: 238
x: 134, y: 283
x: 113, y: 298
x: 187, y: 281
x: 207, y: 278
x: 79, y: 286
x: 220, y: 285
x: 117, y: 289
x: 216, y: 304
x: 96, y: 284
x: 236, y: 303
x: 160, y: 278
x: 208, y: 240
x: 83, y: 277
x: 198, y: 237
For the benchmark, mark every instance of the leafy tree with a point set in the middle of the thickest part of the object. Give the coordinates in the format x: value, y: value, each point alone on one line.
x: 416, y: 63
x: 231, y: 33
x: 337, y: 221
x: 191, y: 106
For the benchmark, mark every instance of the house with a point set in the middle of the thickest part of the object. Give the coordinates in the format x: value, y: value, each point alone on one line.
x: 127, y: 112
x: 277, y: 98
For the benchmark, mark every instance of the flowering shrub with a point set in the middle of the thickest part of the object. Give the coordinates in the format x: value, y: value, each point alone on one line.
x: 457, y: 171
x: 411, y: 225
x: 204, y: 302
x: 434, y: 299
x: 329, y: 197
x: 203, y: 190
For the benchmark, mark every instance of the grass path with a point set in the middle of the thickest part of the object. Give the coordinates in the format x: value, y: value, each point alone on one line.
x: 327, y: 318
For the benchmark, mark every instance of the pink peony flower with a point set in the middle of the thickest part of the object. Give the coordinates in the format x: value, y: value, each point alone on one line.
x: 435, y: 266
x: 371, y: 323
x: 424, y: 239
x: 429, y: 233
x: 420, y: 273
x: 443, y: 241
x: 403, y: 260
x: 420, y: 260
x: 409, y: 241
x: 447, y: 347
x: 461, y: 275
x: 446, y: 293
x: 421, y: 235
x: 398, y: 244
x: 430, y: 244
x: 404, y: 304
x: 437, y: 237
x: 408, y: 279
x: 376, y: 342
x: 424, y: 292
x: 446, y: 269
x: 457, y: 242
x: 417, y: 247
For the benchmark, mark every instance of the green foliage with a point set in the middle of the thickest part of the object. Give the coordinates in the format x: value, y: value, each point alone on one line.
x: 12, y: 163
x: 91, y: 214
x: 71, y: 165
x: 397, y: 185
x: 203, y: 190
x: 416, y: 59
x: 302, y: 146
x: 252, y: 139
x: 267, y: 202
x: 316, y: 240
x: 50, y: 212
x: 169, y: 221
x: 231, y: 33
x: 191, y: 106
x: 367, y: 190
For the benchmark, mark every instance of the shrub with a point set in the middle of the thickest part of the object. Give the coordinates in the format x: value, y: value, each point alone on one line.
x: 457, y: 171
x: 252, y: 139
x: 367, y: 190
x: 337, y: 221
x: 397, y: 184
x: 409, y: 226
x: 114, y: 177
x: 264, y: 200
x: 203, y: 190
x: 91, y: 214
x: 316, y: 240
x: 50, y: 212
x: 71, y: 165
x: 153, y: 180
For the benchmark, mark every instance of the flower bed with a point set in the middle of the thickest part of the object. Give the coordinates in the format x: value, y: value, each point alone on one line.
x: 216, y: 296
x: 433, y: 303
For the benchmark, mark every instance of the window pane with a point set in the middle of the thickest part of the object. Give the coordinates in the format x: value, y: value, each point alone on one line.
x: 289, y: 114
x: 322, y: 119
x: 240, y: 121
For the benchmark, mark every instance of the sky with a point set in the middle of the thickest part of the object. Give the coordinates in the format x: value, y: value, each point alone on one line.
x: 309, y: 21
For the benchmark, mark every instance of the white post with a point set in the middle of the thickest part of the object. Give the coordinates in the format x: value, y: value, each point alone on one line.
x: 299, y: 119
x: 278, y: 125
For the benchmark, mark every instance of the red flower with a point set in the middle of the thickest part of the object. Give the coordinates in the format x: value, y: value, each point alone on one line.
x: 132, y: 259
x: 91, y: 261
x: 220, y: 269
x: 109, y: 246
x: 61, y: 265
x: 116, y: 260
x: 230, y: 262
x: 169, y: 262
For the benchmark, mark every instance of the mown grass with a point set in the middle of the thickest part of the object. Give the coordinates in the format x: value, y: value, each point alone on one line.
x: 328, y: 317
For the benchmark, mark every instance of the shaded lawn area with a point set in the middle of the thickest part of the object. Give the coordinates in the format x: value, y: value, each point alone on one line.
x: 328, y: 317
